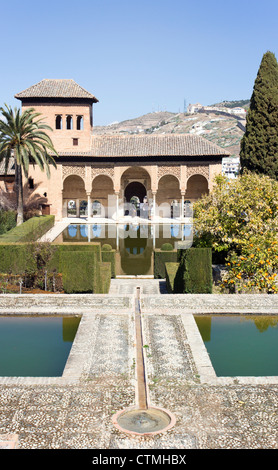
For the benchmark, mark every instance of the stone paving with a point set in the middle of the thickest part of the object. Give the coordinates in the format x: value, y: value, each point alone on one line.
x: 78, y: 414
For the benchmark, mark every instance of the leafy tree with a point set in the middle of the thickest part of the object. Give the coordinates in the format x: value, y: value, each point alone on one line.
x: 23, y: 138
x: 241, y: 217
x: 259, y: 145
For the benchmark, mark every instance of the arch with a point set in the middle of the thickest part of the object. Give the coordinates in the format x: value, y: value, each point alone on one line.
x: 74, y: 186
x: 69, y: 122
x: 73, y: 195
x: 137, y: 189
x: 136, y: 172
x: 58, y: 122
x: 168, y: 190
x: 168, y: 174
x: 197, y: 186
x: 79, y: 123
x: 135, y: 181
x: 97, y: 178
x: 102, y: 188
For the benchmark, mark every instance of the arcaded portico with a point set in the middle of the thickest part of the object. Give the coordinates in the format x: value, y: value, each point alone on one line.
x: 96, y: 175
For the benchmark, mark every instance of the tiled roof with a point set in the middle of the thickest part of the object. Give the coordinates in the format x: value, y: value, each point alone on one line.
x: 57, y: 88
x: 185, y: 145
x: 163, y: 145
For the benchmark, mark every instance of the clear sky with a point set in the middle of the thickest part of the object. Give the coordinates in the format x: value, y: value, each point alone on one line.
x: 138, y: 56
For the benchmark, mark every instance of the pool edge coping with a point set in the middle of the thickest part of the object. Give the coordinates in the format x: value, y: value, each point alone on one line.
x: 206, y: 372
x: 73, y: 373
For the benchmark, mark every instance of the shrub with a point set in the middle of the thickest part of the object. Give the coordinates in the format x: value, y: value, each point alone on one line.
x: 54, y: 263
x: 30, y: 230
x: 79, y: 271
x: 17, y: 259
x: 79, y: 264
x: 194, y: 274
x: 7, y: 221
x: 29, y: 260
x: 106, y: 247
x: 160, y: 258
x: 104, y: 278
x: 171, y: 271
x: 239, y: 218
x: 167, y: 247
x: 110, y: 257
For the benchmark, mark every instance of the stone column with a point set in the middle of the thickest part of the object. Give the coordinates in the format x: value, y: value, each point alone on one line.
x: 64, y: 212
x: 154, y: 204
x: 182, y: 204
x: 89, y: 204
x: 117, y: 205
x: 77, y: 207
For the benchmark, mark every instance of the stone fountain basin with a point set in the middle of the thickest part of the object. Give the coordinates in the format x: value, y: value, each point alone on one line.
x: 150, y: 421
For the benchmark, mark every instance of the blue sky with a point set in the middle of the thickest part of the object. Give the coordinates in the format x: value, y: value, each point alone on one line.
x: 138, y: 56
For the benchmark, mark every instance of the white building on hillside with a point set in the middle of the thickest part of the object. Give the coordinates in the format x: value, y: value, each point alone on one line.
x: 194, y: 108
x: 230, y: 167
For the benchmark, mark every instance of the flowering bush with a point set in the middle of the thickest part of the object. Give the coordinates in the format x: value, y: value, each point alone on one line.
x: 241, y: 217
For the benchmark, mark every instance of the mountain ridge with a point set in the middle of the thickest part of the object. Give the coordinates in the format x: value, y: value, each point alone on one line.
x: 225, y: 130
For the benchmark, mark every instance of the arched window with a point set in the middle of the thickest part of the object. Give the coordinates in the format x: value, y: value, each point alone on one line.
x: 69, y: 122
x: 96, y: 208
x: 79, y: 123
x: 58, y: 122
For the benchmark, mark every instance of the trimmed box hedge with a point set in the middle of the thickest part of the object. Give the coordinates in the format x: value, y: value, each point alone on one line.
x: 29, y: 231
x: 104, y: 278
x: 79, y: 271
x: 192, y: 274
x: 55, y: 262
x: 171, y: 271
x: 82, y: 272
x: 160, y: 258
x: 110, y: 257
x: 79, y: 263
x: 17, y: 258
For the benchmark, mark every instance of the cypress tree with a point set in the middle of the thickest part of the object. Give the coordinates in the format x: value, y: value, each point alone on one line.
x: 259, y: 145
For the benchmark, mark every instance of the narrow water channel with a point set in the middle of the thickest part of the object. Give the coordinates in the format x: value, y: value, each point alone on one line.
x: 143, y: 419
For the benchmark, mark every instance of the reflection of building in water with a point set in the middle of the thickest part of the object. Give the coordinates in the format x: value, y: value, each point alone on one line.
x: 165, y: 168
x: 134, y: 243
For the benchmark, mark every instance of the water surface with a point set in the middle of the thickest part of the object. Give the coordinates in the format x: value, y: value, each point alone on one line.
x: 241, y: 345
x: 35, y: 346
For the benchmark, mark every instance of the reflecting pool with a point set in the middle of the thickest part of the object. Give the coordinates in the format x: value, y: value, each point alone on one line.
x: 241, y: 345
x: 133, y: 242
x: 35, y: 346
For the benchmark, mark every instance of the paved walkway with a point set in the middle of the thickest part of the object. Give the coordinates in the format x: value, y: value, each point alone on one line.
x: 79, y: 415
x: 147, y: 286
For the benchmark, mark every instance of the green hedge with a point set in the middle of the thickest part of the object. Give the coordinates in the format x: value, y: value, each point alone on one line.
x: 79, y: 263
x: 171, y: 271
x: 167, y: 247
x: 17, y: 258
x: 55, y: 263
x: 110, y: 257
x: 194, y: 274
x: 104, y: 278
x: 160, y: 258
x: 79, y: 271
x: 7, y: 220
x: 82, y: 272
x: 29, y: 231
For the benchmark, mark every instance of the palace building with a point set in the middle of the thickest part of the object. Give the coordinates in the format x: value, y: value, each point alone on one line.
x: 97, y: 174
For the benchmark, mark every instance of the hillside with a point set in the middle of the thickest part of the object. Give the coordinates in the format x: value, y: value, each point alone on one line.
x: 233, y: 104
x: 216, y: 127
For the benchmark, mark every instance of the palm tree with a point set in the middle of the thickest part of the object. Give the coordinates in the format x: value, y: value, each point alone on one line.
x: 23, y: 139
